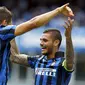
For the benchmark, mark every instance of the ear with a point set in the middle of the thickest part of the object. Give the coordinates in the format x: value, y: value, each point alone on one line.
x: 4, y: 22
x: 56, y: 42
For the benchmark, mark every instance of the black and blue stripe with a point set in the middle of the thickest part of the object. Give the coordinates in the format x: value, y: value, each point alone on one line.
x: 6, y: 34
x: 50, y: 72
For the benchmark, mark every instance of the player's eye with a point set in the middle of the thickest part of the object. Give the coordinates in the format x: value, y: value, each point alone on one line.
x: 45, y: 40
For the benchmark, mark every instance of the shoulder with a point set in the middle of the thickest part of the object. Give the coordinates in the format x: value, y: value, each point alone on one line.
x: 36, y: 57
x: 6, y: 29
x: 7, y: 32
x: 10, y: 27
x: 33, y: 57
x: 59, y: 54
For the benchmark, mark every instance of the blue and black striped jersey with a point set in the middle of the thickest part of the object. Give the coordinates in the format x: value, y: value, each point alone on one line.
x: 50, y: 72
x: 6, y: 35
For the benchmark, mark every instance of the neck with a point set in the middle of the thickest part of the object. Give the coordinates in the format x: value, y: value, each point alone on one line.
x: 49, y: 56
x: 52, y: 55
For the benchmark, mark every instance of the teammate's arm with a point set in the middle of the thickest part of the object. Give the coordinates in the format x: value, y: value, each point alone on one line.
x: 42, y: 19
x: 15, y: 56
x: 69, y: 45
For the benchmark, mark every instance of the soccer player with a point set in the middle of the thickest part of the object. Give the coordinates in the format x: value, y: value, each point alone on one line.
x: 9, y: 31
x: 51, y: 68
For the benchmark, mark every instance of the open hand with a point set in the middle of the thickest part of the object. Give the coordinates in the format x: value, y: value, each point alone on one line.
x: 68, y: 27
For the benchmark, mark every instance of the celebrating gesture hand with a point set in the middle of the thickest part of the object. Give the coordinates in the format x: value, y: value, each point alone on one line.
x: 66, y: 10
x: 68, y: 27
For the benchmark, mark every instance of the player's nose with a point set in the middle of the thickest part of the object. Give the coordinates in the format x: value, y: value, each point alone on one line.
x: 41, y: 43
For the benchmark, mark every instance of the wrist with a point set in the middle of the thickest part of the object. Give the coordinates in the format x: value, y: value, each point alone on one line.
x: 59, y: 10
x: 68, y: 37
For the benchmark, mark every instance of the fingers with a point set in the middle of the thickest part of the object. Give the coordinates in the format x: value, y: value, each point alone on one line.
x: 66, y: 4
x: 70, y: 20
x: 70, y: 11
x: 68, y: 23
x: 65, y: 27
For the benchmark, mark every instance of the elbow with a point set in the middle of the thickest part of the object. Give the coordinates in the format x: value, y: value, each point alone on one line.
x: 69, y: 66
x: 35, y: 22
x: 11, y: 59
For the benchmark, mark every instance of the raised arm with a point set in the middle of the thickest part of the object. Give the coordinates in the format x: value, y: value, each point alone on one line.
x: 42, y: 19
x: 15, y: 56
x: 69, y: 44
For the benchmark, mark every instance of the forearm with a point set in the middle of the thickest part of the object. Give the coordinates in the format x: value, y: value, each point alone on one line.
x: 46, y: 17
x: 69, y: 53
x: 19, y: 59
x: 15, y: 56
x: 36, y: 22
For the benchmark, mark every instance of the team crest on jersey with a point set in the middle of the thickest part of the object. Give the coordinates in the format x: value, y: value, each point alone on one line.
x: 45, y: 71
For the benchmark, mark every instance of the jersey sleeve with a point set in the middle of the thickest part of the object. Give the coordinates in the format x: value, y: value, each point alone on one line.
x: 7, y: 33
x: 32, y: 61
x: 64, y: 66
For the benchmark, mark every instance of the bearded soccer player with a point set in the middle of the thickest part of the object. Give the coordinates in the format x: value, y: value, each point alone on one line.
x: 51, y: 68
x: 9, y: 31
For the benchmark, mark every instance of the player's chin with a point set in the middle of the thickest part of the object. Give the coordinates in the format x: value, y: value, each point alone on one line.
x: 44, y: 52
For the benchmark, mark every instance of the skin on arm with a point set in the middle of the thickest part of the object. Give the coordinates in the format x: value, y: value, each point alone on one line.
x: 69, y: 44
x: 42, y: 19
x: 33, y: 23
x: 16, y: 57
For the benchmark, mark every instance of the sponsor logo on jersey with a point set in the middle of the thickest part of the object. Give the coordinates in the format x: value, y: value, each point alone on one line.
x: 45, y: 71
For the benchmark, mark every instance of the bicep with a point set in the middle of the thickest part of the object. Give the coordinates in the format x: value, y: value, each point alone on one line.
x: 24, y: 27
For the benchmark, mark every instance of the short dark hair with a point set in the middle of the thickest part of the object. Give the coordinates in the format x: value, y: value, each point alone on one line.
x: 5, y: 14
x: 56, y: 34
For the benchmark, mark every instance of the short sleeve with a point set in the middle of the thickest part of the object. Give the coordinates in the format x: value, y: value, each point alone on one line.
x: 32, y: 61
x: 7, y: 33
x: 64, y: 65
